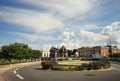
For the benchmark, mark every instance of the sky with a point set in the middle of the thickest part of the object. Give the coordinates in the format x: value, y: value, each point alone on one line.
x: 72, y: 23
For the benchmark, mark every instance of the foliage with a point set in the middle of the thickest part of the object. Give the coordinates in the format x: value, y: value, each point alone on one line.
x: 4, y: 62
x: 94, y: 65
x: 114, y: 57
x: 36, y: 54
x: 48, y: 64
x: 70, y: 52
x: 63, y: 68
x: 18, y: 51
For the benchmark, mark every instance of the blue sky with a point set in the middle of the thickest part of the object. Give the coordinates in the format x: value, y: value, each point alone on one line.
x: 73, y: 23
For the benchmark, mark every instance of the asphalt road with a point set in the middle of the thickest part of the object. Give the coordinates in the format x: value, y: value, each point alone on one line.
x: 34, y: 73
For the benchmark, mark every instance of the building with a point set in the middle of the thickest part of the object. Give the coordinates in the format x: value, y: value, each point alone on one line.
x: 96, y: 51
x: 45, y: 53
x: 103, y: 50
x: 113, y: 49
x: 85, y: 52
x: 58, y: 52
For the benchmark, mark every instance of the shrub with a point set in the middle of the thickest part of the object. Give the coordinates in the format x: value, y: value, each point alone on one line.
x: 64, y: 68
x: 48, y: 64
x: 4, y: 62
x: 105, y: 64
x: 94, y: 65
x: 83, y: 66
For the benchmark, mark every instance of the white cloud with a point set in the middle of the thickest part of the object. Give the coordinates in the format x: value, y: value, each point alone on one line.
x: 64, y: 8
x: 86, y: 35
x: 28, y: 37
x: 107, y: 30
x: 66, y: 39
x: 116, y: 26
x: 66, y: 35
x: 33, y: 20
x: 46, y: 47
x: 112, y: 32
x: 52, y: 14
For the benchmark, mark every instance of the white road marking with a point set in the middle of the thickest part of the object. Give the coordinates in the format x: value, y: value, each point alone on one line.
x: 14, y: 72
x: 20, y: 77
x: 16, y: 69
x: 21, y: 67
x: 116, y: 69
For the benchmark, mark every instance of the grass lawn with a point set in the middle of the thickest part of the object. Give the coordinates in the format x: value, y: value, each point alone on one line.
x: 72, y: 62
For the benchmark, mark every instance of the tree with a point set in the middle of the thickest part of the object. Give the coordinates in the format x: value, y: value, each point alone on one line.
x: 16, y: 51
x: 70, y: 52
x: 6, y: 53
x: 36, y: 54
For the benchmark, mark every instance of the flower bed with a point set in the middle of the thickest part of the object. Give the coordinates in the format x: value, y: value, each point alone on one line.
x: 103, y: 64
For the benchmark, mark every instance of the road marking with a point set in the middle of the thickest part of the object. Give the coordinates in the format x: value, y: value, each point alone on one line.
x: 116, y: 69
x: 14, y: 72
x: 21, y: 67
x: 20, y: 77
x: 16, y: 69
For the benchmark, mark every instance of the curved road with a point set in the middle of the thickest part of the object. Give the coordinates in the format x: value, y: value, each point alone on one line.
x: 34, y: 73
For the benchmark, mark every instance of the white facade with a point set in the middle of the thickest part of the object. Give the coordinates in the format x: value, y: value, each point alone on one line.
x: 45, y: 53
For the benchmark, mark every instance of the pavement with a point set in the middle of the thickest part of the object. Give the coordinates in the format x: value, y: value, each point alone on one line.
x: 34, y: 73
x: 7, y: 67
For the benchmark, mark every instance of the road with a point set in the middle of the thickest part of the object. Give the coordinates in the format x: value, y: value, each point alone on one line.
x: 34, y: 73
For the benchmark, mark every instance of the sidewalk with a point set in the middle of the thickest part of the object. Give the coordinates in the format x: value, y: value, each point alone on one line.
x: 7, y: 67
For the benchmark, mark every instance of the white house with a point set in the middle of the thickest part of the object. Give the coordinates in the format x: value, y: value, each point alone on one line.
x: 45, y: 53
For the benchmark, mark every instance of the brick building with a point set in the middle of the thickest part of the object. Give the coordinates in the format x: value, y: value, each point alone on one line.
x: 102, y: 50
x: 85, y: 52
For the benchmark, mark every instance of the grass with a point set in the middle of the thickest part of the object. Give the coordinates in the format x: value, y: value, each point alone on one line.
x: 72, y: 62
x: 13, y: 61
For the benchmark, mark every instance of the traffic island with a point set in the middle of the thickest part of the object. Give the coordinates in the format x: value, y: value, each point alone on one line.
x: 95, y: 65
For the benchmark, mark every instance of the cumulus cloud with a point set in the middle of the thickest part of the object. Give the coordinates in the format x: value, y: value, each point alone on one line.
x: 108, y: 35
x: 66, y: 35
x: 67, y: 39
x: 33, y: 20
x: 107, y: 30
x: 112, y: 32
x: 86, y: 35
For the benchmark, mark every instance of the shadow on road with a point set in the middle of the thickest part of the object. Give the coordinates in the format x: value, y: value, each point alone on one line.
x: 38, y: 69
x: 90, y: 75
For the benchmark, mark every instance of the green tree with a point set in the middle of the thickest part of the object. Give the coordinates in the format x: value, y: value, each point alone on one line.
x: 70, y: 52
x: 6, y: 53
x: 36, y: 54
x: 16, y: 51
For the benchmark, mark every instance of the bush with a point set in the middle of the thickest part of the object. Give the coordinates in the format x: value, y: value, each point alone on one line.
x: 64, y: 68
x: 4, y: 62
x: 105, y: 64
x: 48, y: 64
x: 85, y: 66
x: 94, y: 65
